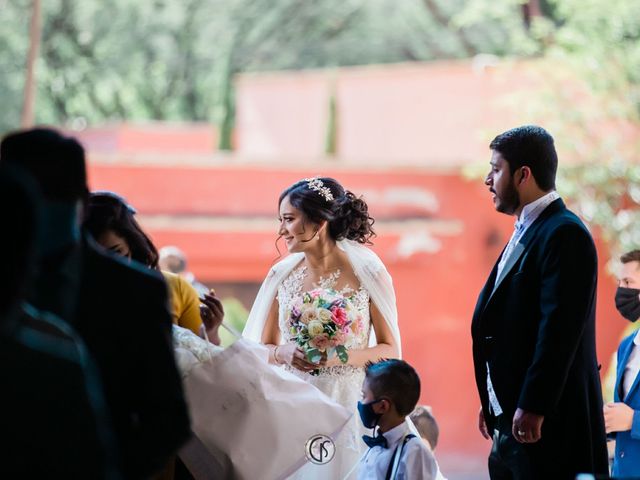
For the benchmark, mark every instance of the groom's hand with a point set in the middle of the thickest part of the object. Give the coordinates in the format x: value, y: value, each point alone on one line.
x: 527, y: 426
x: 482, y: 425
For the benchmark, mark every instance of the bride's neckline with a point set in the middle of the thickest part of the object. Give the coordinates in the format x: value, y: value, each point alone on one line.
x: 327, y: 283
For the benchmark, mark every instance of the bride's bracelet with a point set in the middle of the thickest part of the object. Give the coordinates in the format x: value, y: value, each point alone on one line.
x: 275, y: 355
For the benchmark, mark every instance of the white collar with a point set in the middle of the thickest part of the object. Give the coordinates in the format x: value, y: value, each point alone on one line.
x: 394, y: 435
x: 636, y: 339
x: 531, y: 211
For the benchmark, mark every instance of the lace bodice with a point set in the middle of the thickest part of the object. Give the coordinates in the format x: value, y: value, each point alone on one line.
x: 291, y: 289
x: 342, y: 383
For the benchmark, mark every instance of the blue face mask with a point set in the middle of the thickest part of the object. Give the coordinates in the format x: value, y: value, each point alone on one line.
x: 367, y: 415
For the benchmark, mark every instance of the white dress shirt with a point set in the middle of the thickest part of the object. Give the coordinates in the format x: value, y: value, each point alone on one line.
x: 632, y: 368
x: 530, y: 213
x: 416, y: 461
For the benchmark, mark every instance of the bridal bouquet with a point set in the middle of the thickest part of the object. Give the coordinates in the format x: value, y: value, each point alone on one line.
x: 321, y: 321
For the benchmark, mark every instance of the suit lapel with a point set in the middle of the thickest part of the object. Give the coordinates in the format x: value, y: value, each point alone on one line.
x: 634, y: 386
x: 516, y: 253
x: 525, y: 242
x: 486, y: 291
x: 622, y: 365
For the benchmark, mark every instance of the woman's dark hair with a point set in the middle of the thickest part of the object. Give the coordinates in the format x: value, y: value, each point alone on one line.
x: 324, y: 199
x: 108, y: 211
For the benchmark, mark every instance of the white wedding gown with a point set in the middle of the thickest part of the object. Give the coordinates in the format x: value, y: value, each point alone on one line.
x: 342, y: 383
x: 244, y: 422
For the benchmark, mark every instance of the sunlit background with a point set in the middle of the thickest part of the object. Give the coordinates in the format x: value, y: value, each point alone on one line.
x: 201, y: 112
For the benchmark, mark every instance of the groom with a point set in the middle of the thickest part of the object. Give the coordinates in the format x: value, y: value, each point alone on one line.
x: 533, y: 327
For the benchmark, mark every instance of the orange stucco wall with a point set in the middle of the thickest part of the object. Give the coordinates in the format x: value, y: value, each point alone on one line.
x: 225, y: 220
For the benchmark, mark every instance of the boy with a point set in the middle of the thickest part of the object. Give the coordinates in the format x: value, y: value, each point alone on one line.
x: 422, y: 418
x: 390, y: 392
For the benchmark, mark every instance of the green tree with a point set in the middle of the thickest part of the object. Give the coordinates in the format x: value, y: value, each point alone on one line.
x: 104, y: 60
x: 587, y: 57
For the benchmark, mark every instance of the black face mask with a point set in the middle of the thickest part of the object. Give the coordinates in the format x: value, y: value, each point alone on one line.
x: 628, y: 303
x: 367, y: 415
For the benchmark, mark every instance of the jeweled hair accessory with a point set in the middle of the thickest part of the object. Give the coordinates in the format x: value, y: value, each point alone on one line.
x: 317, y: 185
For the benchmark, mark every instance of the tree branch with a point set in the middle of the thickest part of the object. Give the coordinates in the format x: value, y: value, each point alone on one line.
x: 434, y: 9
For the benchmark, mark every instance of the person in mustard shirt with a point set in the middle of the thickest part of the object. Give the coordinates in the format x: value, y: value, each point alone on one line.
x: 110, y: 221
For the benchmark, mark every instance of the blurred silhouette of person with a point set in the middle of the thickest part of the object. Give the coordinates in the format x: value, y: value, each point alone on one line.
x: 119, y: 309
x: 426, y: 424
x: 110, y: 219
x: 173, y: 260
x: 52, y: 415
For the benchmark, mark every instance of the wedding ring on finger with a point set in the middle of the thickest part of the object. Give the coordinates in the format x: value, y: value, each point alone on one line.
x: 520, y: 433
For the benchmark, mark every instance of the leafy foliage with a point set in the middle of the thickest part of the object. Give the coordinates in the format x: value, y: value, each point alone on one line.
x: 104, y: 60
x: 588, y: 59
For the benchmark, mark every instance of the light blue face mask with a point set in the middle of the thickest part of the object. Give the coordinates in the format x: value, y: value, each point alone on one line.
x: 58, y: 228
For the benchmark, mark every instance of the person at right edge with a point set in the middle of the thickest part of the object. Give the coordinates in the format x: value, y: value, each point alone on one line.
x: 622, y: 416
x: 533, y: 327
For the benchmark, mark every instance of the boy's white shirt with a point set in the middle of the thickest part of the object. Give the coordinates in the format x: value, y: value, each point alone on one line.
x: 417, y: 461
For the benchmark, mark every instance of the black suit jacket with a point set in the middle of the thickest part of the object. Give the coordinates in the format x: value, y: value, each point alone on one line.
x: 52, y: 414
x: 536, y: 330
x: 122, y: 314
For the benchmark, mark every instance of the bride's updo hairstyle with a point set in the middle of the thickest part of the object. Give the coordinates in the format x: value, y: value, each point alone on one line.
x: 324, y: 199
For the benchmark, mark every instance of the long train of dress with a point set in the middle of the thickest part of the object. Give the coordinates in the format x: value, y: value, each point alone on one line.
x: 249, y: 419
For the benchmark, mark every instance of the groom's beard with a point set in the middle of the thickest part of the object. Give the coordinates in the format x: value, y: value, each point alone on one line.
x: 509, y: 200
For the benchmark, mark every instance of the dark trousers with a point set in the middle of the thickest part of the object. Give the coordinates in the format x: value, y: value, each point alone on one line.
x: 510, y: 460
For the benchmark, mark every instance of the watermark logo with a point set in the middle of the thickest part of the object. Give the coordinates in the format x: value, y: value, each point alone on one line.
x: 320, y: 449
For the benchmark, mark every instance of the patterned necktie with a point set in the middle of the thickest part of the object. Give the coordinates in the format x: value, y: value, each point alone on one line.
x: 378, y: 440
x: 519, y: 227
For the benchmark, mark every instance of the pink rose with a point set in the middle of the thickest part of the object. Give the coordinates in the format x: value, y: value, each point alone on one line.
x: 321, y: 342
x: 337, y: 339
x: 339, y: 317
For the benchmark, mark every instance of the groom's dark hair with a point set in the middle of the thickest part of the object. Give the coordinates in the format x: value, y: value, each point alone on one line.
x: 396, y: 380
x: 529, y: 146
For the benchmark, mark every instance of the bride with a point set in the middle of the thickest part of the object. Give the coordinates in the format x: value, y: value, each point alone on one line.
x: 326, y: 228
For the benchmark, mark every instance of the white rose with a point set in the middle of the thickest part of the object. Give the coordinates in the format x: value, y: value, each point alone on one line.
x: 308, y: 315
x: 315, y: 327
x: 324, y: 315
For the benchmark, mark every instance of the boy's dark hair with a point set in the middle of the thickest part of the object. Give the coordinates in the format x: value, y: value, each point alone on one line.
x: 396, y: 380
x: 426, y: 425
x: 632, y: 256
x: 529, y: 146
